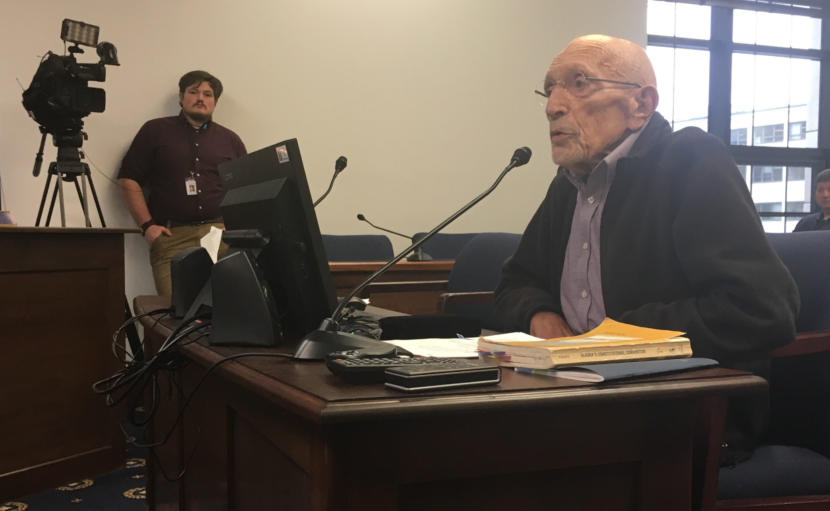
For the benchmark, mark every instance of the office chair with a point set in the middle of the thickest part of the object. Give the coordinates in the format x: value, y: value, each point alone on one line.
x: 475, y: 275
x: 444, y: 246
x: 357, y: 247
x: 791, y: 470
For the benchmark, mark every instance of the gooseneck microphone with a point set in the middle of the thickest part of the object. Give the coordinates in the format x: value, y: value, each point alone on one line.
x: 417, y: 255
x: 326, y: 339
x: 339, y: 165
x: 362, y: 218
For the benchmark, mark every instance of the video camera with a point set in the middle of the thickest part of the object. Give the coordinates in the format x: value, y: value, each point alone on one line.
x: 59, y: 96
x: 58, y: 99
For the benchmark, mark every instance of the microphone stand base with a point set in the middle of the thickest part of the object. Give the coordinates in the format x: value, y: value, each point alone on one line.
x: 319, y: 343
x: 419, y: 255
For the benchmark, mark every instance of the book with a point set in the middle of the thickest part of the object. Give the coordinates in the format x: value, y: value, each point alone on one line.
x: 608, y: 342
x: 612, y: 371
x: 455, y: 347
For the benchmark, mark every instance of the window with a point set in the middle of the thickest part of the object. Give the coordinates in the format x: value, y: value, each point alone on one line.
x: 798, y: 130
x: 738, y: 136
x: 796, y: 173
x: 748, y: 72
x: 768, y: 89
x: 768, y: 134
x: 679, y: 20
x: 776, y: 29
x: 782, y: 194
x: 767, y: 175
x: 769, y: 207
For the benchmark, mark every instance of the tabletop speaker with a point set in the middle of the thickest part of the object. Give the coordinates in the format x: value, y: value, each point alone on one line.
x: 189, y: 271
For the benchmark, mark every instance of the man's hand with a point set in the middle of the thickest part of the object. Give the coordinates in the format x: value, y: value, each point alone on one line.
x: 154, y: 231
x: 547, y: 325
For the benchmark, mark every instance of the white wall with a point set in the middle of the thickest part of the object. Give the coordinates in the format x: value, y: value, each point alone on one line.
x: 427, y: 98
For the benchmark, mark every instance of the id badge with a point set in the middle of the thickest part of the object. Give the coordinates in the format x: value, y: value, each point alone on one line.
x: 190, y: 186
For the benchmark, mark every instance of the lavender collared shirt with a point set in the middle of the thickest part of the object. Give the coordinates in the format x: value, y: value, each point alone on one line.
x: 580, y: 289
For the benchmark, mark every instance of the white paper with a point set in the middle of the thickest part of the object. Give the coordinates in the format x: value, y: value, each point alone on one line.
x: 211, y: 241
x: 448, y: 348
x: 512, y: 336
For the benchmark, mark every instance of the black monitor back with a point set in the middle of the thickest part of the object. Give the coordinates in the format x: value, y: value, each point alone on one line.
x: 267, y: 190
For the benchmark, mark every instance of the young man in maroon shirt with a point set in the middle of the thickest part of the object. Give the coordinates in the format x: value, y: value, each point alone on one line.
x: 175, y: 160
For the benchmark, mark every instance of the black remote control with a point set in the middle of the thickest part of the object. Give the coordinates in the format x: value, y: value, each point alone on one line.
x: 356, y: 366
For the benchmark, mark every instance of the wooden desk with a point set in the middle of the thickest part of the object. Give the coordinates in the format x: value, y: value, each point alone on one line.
x: 347, y: 276
x: 62, y: 298
x: 270, y: 433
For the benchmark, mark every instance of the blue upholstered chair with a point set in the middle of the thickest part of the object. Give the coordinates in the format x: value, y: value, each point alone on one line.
x: 792, y: 469
x: 357, y: 247
x: 444, y: 246
x: 806, y: 255
x: 476, y: 274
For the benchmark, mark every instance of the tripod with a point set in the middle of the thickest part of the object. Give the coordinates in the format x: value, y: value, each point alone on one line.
x: 67, y: 167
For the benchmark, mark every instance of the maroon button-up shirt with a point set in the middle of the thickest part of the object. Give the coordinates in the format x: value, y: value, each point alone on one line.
x: 166, y: 152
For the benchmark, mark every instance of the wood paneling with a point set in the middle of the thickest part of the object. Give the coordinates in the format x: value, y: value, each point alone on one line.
x: 61, y: 300
x: 296, y: 437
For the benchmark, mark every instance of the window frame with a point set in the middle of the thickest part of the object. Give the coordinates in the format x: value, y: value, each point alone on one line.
x: 721, y: 48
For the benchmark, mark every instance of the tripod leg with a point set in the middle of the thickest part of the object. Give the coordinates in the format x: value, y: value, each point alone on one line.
x: 82, y: 198
x: 95, y: 196
x: 52, y: 203
x: 59, y: 182
x: 43, y: 201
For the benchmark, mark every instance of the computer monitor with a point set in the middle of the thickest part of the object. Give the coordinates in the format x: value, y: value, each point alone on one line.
x: 267, y: 205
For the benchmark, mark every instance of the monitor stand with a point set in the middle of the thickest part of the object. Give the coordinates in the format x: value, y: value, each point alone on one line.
x: 319, y: 343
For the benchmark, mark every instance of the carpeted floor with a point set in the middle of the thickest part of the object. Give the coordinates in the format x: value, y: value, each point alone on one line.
x: 122, y: 490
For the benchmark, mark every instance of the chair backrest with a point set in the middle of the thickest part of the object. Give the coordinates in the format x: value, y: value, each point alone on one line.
x: 806, y: 255
x: 357, y: 247
x: 444, y: 246
x: 792, y: 469
x: 478, y: 268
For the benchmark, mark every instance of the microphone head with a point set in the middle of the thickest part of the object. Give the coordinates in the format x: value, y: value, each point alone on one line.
x: 521, y: 156
x: 340, y: 164
x: 361, y: 217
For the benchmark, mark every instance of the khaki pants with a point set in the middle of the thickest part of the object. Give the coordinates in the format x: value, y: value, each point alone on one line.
x: 165, y: 247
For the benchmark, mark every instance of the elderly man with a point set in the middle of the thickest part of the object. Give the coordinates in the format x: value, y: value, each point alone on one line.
x: 176, y: 159
x: 821, y: 220
x: 641, y: 224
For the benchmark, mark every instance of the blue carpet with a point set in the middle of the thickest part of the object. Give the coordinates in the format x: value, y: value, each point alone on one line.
x: 122, y: 490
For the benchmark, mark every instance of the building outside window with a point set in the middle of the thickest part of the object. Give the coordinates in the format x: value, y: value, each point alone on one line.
x: 737, y: 136
x: 763, y: 174
x: 798, y: 130
x: 768, y: 135
x: 749, y: 72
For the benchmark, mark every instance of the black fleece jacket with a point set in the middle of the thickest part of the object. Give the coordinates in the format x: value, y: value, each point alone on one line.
x: 682, y: 248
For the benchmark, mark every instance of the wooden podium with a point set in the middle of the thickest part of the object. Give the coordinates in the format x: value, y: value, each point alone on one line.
x: 275, y: 433
x: 61, y: 300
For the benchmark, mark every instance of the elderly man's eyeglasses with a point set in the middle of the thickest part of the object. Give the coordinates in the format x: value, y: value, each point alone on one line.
x: 580, y: 85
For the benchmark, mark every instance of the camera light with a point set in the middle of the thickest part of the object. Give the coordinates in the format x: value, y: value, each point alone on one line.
x: 79, y: 32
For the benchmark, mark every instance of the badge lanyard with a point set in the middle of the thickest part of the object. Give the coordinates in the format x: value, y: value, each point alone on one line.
x: 190, y: 187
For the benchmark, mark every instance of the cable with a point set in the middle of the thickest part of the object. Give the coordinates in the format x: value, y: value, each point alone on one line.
x: 138, y: 382
x: 189, y: 397
x: 360, y: 323
x: 132, y: 320
x: 99, y: 171
x: 183, y: 408
x: 138, y: 374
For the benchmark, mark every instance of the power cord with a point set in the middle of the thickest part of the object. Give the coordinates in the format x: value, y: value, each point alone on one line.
x: 139, y: 381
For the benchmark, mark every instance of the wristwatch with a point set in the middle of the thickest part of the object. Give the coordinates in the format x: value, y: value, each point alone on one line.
x: 146, y: 225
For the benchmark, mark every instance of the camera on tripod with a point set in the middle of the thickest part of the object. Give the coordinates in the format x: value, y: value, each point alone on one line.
x: 58, y: 98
